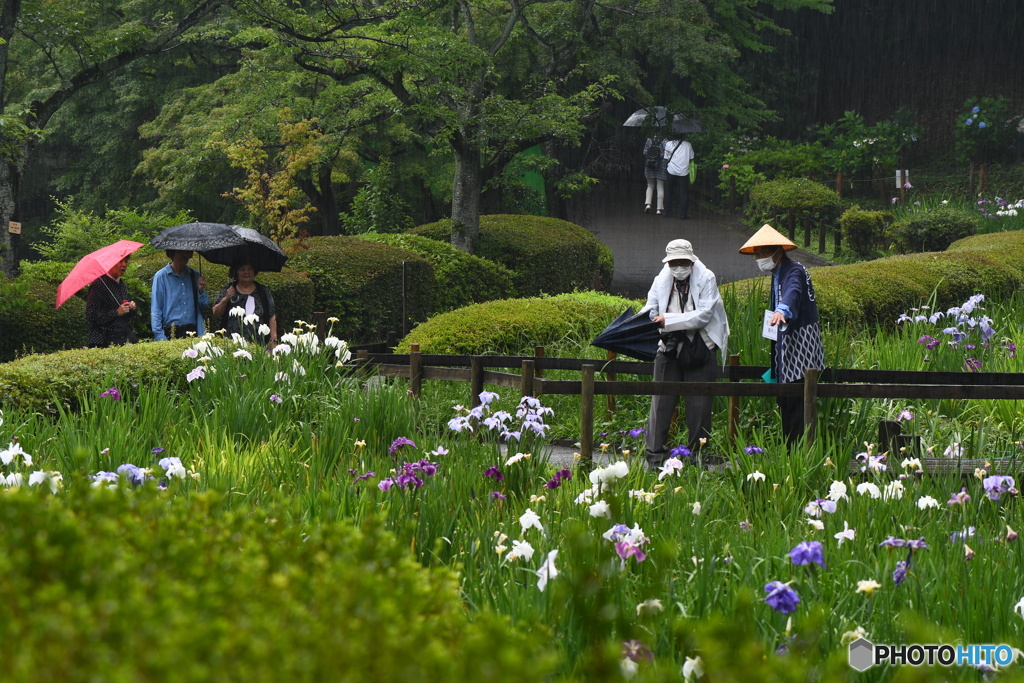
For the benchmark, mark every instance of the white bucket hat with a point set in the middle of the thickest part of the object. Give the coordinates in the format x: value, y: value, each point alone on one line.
x: 678, y: 249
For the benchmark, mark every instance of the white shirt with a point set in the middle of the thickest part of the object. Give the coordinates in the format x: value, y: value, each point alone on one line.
x: 678, y: 154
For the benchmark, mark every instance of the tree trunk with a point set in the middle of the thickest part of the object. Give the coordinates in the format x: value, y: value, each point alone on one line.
x: 466, y: 197
x: 10, y: 181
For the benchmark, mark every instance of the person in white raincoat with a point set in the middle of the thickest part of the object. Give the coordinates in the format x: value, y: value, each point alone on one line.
x: 684, y: 299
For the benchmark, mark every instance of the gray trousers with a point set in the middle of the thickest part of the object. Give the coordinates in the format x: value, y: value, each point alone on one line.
x: 698, y: 408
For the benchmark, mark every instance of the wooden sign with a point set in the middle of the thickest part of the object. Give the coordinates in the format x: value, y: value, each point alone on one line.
x: 14, y: 228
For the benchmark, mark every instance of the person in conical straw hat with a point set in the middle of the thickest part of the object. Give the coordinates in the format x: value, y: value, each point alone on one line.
x: 794, y: 320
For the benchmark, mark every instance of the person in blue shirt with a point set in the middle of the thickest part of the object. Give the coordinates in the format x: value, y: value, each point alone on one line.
x: 178, y: 297
x: 795, y: 312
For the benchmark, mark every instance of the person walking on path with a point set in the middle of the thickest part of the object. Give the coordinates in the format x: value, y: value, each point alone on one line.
x: 685, y: 301
x: 108, y: 310
x: 655, y: 168
x: 793, y: 310
x: 179, y: 295
x: 679, y: 154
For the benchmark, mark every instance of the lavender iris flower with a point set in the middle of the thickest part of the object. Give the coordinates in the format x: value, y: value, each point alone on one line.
x: 807, y: 552
x: 399, y: 443
x: 996, y: 485
x: 781, y: 597
x: 900, y: 573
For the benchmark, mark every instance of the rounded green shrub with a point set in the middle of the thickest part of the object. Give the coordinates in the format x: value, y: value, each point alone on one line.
x: 360, y: 282
x: 29, y: 323
x: 547, y: 255
x: 932, y: 230
x: 777, y: 201
x: 40, y: 383
x: 146, y: 585
x: 863, y: 231
x: 460, y: 278
x: 515, y: 326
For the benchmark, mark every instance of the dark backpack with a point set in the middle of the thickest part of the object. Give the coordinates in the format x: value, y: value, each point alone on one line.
x: 653, y: 156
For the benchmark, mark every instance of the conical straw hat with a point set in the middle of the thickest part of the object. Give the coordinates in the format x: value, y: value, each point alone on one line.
x: 767, y: 236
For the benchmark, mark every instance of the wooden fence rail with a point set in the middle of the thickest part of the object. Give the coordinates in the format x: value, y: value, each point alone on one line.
x: 830, y: 383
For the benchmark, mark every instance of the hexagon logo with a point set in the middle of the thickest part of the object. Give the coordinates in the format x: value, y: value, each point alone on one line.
x: 862, y: 654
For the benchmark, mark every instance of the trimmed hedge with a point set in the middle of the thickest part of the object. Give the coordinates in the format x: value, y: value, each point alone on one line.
x: 40, y: 382
x: 360, y: 282
x: 31, y: 324
x: 143, y: 585
x: 460, y: 278
x: 932, y: 230
x: 515, y: 326
x: 863, y: 231
x: 775, y: 201
x: 547, y: 255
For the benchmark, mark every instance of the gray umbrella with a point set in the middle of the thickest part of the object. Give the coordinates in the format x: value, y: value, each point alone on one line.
x: 197, y: 237
x: 656, y: 116
x: 256, y: 249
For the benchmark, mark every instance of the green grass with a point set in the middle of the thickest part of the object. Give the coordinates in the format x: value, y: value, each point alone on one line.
x: 706, y: 564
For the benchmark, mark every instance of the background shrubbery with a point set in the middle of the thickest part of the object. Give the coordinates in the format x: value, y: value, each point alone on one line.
x: 932, y: 230
x: 780, y: 201
x: 547, y: 255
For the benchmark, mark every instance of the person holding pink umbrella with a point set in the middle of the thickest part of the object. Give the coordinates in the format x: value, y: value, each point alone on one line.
x: 107, y: 306
x: 109, y: 310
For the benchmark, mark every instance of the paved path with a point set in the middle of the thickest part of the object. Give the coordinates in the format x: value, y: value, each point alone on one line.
x: 614, y: 214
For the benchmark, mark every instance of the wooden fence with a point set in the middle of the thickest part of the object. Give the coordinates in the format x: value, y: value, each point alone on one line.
x: 830, y: 383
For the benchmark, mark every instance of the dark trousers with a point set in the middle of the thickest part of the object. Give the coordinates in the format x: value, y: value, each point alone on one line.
x: 792, y: 410
x: 179, y: 331
x: 698, y: 408
x: 678, y: 192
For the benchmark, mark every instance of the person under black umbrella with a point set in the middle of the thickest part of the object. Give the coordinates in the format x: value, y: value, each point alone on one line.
x: 178, y: 297
x: 685, y: 301
x: 246, y: 307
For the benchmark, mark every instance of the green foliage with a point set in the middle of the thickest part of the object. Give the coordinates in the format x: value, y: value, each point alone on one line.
x: 932, y: 230
x: 360, y: 282
x: 738, y: 176
x: 515, y: 326
x: 987, y: 129
x: 124, y: 582
x: 75, y: 232
x: 547, y: 255
x: 606, y: 267
x: 777, y: 201
x: 40, y: 383
x: 30, y: 323
x: 378, y: 206
x: 863, y: 231
x: 773, y: 158
x: 460, y: 278
x: 857, y: 149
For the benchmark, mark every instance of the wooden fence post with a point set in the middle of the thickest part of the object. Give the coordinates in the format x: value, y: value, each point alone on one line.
x: 611, y: 377
x: 810, y: 404
x: 587, y: 414
x: 476, y: 379
x: 415, y: 370
x: 734, y: 403
x: 822, y: 232
x: 526, y: 379
x: 538, y: 352
x: 807, y: 231
x: 839, y: 185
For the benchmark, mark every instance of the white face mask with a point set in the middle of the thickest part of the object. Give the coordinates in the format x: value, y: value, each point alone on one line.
x: 766, y: 264
x: 681, y: 272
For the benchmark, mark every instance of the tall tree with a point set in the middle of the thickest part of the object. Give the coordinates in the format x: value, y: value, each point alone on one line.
x: 485, y: 79
x: 52, y: 50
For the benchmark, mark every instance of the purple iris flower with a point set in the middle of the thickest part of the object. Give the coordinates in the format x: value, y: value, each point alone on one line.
x: 399, y: 443
x: 386, y: 484
x: 900, y: 573
x: 564, y: 474
x: 134, y: 475
x: 996, y: 485
x: 680, y: 452
x: 972, y: 365
x: 893, y: 542
x: 113, y: 393
x: 967, y: 532
x: 917, y: 544
x: 553, y: 483
x: 497, y: 495
x: 368, y: 475
x: 156, y: 451
x: 493, y: 471
x: 807, y: 552
x: 781, y: 597
x: 753, y: 450
x: 636, y: 432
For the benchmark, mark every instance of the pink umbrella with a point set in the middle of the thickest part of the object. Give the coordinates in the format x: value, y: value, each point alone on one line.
x: 92, y: 266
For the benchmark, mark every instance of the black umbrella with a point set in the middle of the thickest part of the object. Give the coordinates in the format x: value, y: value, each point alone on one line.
x: 256, y: 249
x: 658, y: 116
x: 634, y: 335
x: 196, y: 237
